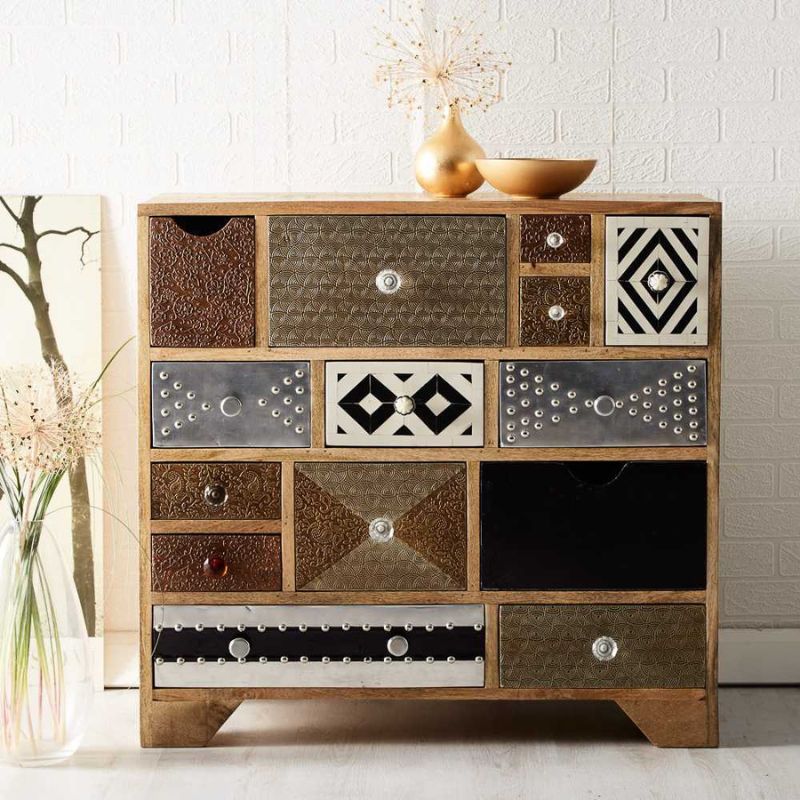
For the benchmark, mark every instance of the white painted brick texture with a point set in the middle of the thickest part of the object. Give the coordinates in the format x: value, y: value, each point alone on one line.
x: 132, y: 98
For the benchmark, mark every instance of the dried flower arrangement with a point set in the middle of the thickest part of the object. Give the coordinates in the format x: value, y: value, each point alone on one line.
x: 453, y: 61
x: 48, y: 422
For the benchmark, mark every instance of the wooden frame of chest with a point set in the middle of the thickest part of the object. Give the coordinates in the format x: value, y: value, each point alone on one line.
x: 398, y: 447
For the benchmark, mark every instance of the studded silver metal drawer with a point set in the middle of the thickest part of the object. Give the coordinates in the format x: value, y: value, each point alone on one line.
x: 602, y: 403
x: 230, y: 404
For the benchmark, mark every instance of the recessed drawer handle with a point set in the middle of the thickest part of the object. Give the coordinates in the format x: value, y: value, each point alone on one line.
x: 604, y: 648
x: 554, y: 240
x: 556, y: 313
x: 215, y: 566
x: 388, y: 281
x: 215, y: 495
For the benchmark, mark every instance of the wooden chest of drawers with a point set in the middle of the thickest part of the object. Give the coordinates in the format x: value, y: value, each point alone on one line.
x: 400, y: 447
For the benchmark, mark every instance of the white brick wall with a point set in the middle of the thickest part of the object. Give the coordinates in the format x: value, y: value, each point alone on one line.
x: 129, y: 98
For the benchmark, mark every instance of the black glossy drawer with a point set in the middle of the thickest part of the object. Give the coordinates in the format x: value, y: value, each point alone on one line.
x: 611, y: 525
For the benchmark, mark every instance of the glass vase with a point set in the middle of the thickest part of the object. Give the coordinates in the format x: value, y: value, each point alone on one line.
x: 45, y: 670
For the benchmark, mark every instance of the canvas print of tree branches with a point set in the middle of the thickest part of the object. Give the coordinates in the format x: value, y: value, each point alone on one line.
x: 50, y: 310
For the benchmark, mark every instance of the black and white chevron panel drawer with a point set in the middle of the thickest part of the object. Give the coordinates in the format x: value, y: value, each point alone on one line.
x: 657, y: 280
x: 318, y: 646
x: 602, y: 403
x: 404, y: 403
x: 230, y: 404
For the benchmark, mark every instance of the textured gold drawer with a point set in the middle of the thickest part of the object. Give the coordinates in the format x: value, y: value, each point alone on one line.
x: 554, y: 311
x: 556, y: 238
x: 602, y: 646
x: 382, y: 281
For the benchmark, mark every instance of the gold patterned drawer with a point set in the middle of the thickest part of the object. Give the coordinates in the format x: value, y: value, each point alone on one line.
x: 380, y: 527
x: 554, y: 311
x: 556, y: 238
x: 387, y: 280
x: 202, y: 281
x: 231, y: 562
x: 215, y: 490
x: 602, y: 646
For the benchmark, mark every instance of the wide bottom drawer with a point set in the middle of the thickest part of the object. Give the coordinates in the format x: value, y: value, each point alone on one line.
x: 602, y: 646
x: 318, y: 646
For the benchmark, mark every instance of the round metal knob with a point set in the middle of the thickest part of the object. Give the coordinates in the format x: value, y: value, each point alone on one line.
x: 230, y: 406
x: 604, y: 405
x: 554, y: 240
x: 239, y: 647
x: 658, y: 281
x: 397, y: 646
x: 556, y: 313
x: 387, y: 281
x: 404, y: 404
x: 215, y: 495
x: 215, y: 566
x: 381, y: 530
x: 604, y: 648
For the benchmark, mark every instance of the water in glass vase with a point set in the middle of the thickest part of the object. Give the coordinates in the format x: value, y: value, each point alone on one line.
x: 45, y: 672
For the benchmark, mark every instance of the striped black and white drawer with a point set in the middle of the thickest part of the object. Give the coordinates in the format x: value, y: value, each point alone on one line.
x: 318, y: 646
x: 657, y: 280
x: 602, y: 403
x: 404, y: 403
x: 231, y: 404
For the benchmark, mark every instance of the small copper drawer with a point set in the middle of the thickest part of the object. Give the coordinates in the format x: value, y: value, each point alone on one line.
x: 202, y: 281
x: 215, y: 490
x: 602, y: 646
x: 554, y: 311
x: 231, y: 562
x: 380, y: 526
x: 556, y: 238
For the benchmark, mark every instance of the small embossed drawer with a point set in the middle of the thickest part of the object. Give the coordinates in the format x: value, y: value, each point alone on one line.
x: 380, y: 527
x: 602, y: 403
x: 215, y: 490
x: 230, y: 404
x: 202, y: 281
x: 554, y: 311
x: 381, y: 281
x: 603, y: 646
x: 593, y: 525
x: 404, y: 403
x: 558, y: 238
x: 228, y: 562
x: 374, y: 646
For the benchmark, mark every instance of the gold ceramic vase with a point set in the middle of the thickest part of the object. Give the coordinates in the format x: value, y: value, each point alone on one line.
x: 445, y: 163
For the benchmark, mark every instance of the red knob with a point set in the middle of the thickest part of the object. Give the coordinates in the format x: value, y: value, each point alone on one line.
x: 215, y: 567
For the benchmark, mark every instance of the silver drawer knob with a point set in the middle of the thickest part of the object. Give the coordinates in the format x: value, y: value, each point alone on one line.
x: 239, y: 647
x: 397, y: 646
x: 658, y: 281
x: 381, y: 530
x: 604, y: 405
x: 231, y: 406
x: 556, y: 313
x: 387, y: 281
x: 604, y: 648
x: 215, y: 494
x: 554, y: 240
x: 404, y: 404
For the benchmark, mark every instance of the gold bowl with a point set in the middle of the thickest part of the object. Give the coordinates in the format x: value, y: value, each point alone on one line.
x: 538, y: 178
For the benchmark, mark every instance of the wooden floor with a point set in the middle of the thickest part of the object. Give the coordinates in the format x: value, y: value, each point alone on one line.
x: 447, y: 751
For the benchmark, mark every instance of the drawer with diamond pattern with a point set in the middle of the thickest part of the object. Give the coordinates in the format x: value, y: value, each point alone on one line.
x: 404, y: 403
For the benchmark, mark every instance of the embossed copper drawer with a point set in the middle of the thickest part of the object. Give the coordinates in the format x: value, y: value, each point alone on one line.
x: 554, y: 311
x: 230, y: 562
x: 380, y: 281
x: 558, y: 238
x: 202, y: 281
x: 602, y: 646
x: 215, y: 490
x: 380, y: 527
